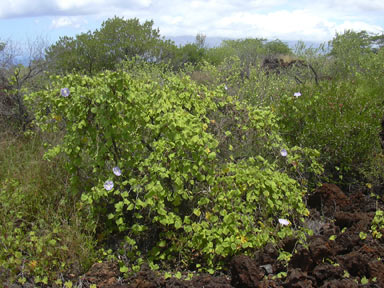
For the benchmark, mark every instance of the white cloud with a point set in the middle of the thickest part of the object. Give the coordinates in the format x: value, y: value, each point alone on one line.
x: 20, y: 8
x: 65, y: 21
x: 301, y: 24
x: 283, y: 19
x: 355, y: 5
x: 281, y: 24
x: 358, y: 26
x: 26, y: 8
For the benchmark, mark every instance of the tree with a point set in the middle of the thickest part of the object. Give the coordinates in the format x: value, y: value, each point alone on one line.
x: 189, y: 53
x: 217, y: 55
x: 359, y: 41
x: 200, y: 40
x: 16, y: 79
x: 277, y: 47
x: 248, y: 50
x: 117, y: 39
x: 166, y: 52
x: 62, y: 56
x: 8, y: 54
x: 122, y: 39
x: 350, y: 50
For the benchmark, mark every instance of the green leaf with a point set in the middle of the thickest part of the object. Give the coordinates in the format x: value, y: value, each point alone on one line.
x: 167, y: 275
x: 197, y: 212
x: 178, y: 275
x: 212, y: 155
x: 178, y: 224
x: 162, y: 244
x: 364, y: 280
x: 119, y: 221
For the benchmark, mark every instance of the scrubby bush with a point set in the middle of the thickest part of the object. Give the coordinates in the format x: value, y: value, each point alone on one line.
x: 175, y: 167
x: 341, y: 120
x: 341, y: 116
x: 246, y: 83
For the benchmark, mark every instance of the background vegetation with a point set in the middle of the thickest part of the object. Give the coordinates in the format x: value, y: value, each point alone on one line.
x: 117, y: 144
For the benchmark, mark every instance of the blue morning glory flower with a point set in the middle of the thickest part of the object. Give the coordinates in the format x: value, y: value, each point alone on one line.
x: 64, y: 92
x: 108, y: 185
x: 297, y: 94
x: 116, y: 170
x: 283, y: 153
x: 284, y: 222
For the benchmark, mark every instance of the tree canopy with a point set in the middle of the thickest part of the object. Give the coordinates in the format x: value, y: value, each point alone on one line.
x: 117, y: 39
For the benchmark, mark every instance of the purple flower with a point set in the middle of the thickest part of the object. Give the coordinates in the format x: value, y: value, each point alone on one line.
x: 116, y: 170
x: 297, y: 94
x: 64, y: 92
x: 283, y: 153
x: 108, y: 185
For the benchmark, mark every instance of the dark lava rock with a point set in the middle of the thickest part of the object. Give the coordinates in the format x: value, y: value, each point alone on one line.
x: 376, y: 269
x: 328, y: 199
x: 327, y: 272
x: 356, y: 221
x: 346, y: 242
x: 269, y: 283
x: 344, y: 283
x: 306, y: 259
x: 147, y: 278
x: 299, y: 279
x: 245, y: 272
x: 347, y: 219
x: 360, y: 201
x: 269, y: 254
x: 320, y: 248
x: 302, y: 259
x: 356, y: 263
x: 103, y: 275
x: 208, y: 281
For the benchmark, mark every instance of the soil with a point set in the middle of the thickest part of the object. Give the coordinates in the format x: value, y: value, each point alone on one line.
x: 344, y: 260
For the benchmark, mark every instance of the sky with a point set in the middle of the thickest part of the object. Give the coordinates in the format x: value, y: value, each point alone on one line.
x: 307, y: 20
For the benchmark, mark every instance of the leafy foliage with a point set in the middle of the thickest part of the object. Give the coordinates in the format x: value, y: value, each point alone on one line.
x: 199, y: 170
x: 117, y: 39
x: 377, y: 224
x: 277, y: 47
x: 250, y: 51
x: 350, y: 51
x: 338, y: 119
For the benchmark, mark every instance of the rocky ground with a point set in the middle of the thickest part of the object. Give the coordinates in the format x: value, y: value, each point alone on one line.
x: 347, y: 259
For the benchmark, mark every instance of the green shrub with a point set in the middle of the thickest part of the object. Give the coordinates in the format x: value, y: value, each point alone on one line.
x: 340, y: 119
x: 175, y: 167
x: 246, y: 83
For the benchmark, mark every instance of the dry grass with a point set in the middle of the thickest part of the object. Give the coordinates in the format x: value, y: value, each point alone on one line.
x: 41, y: 220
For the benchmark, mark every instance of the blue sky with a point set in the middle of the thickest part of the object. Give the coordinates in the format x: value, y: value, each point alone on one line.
x: 306, y: 20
